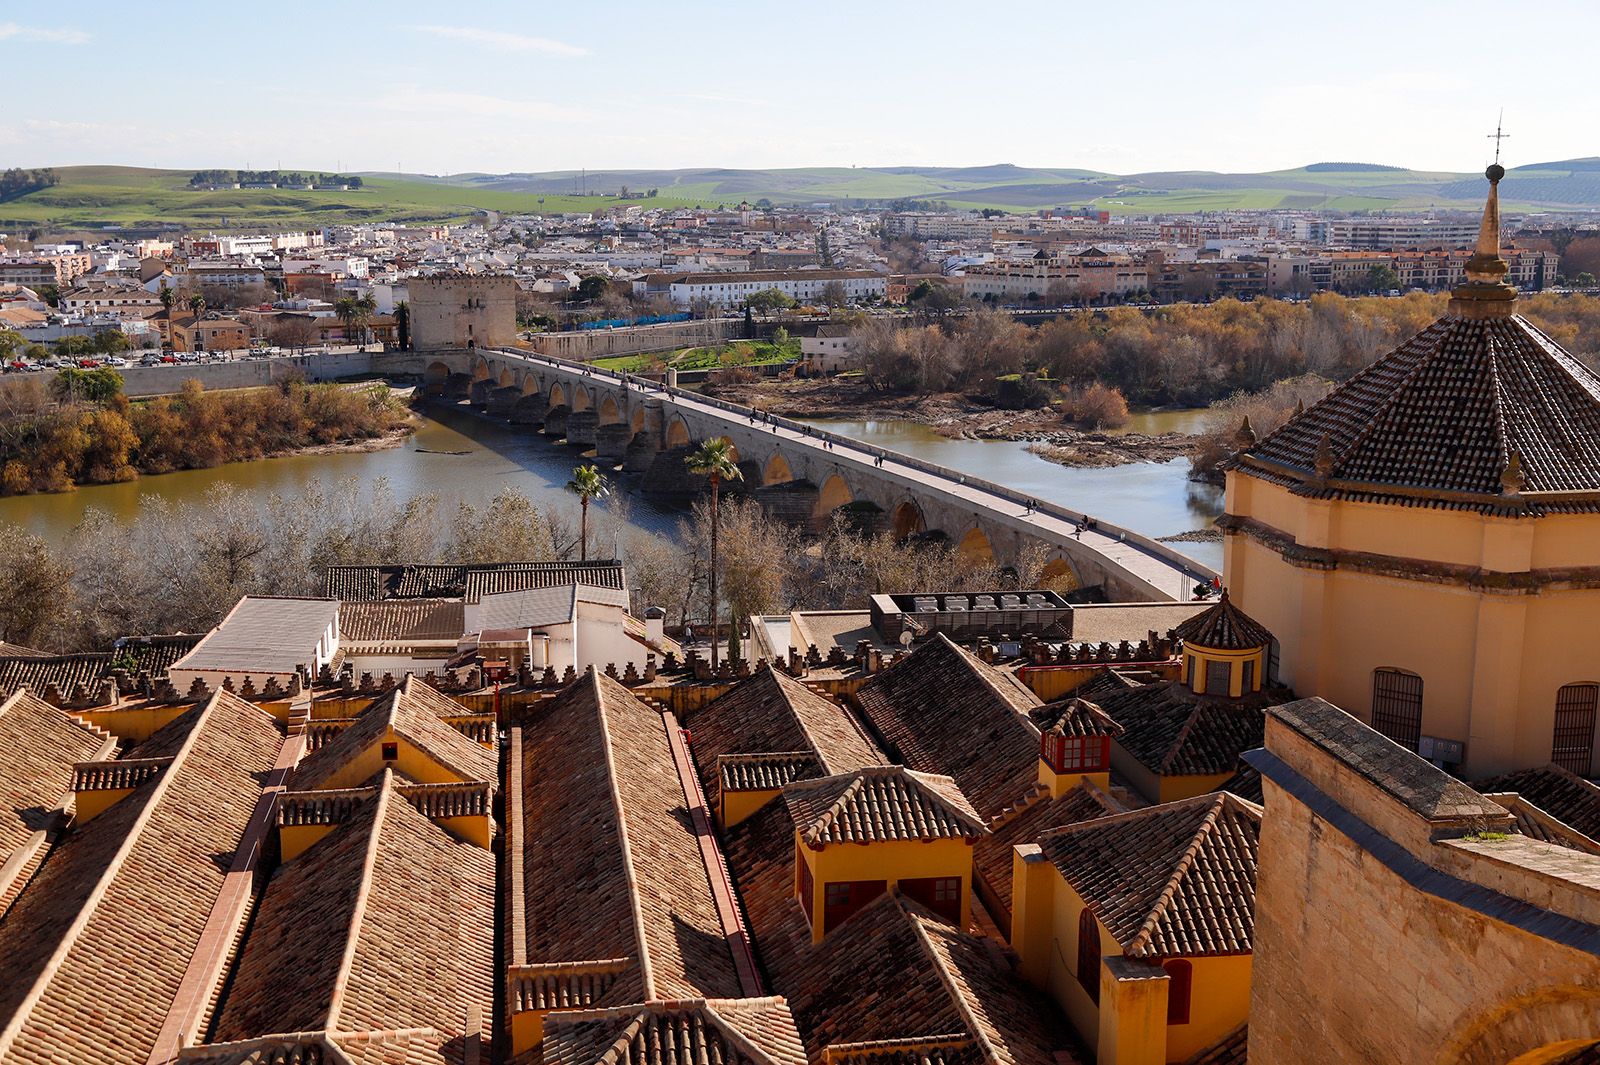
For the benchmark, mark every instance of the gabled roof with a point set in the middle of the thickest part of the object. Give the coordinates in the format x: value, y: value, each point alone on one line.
x: 1075, y: 716
x: 770, y: 712
x: 264, y: 634
x: 469, y: 581
x: 38, y: 745
x: 1224, y: 627
x: 82, y: 931
x: 944, y: 711
x: 879, y: 804
x: 746, y: 1031
x: 1443, y: 416
x: 37, y: 672
x: 414, y: 711
x: 387, y: 922
x: 610, y: 869
x: 1174, y: 732
x: 991, y: 856
x: 1179, y: 878
x: 928, y: 980
x: 1557, y: 791
x: 402, y: 620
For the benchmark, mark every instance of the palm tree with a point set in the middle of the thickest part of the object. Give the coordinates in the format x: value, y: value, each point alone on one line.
x: 197, y: 304
x: 714, y: 459
x: 587, y: 483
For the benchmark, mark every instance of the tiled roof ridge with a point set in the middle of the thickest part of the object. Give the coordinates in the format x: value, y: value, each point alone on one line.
x: 959, y: 1000
x: 981, y: 670
x: 1182, y: 738
x: 618, y: 1051
x: 1129, y: 815
x: 358, y: 909
x: 871, y: 1047
x: 1216, y: 800
x: 646, y: 977
x: 780, y: 678
x: 1520, y: 806
x: 1575, y: 370
x: 932, y: 785
x: 158, y: 790
x: 24, y: 693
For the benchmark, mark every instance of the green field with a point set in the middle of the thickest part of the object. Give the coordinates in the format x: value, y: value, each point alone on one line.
x: 93, y: 197
x: 737, y: 353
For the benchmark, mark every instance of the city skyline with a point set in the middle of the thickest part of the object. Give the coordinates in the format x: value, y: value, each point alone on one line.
x: 491, y: 89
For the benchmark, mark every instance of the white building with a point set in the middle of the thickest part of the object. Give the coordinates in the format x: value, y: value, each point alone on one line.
x: 731, y: 290
x: 263, y: 638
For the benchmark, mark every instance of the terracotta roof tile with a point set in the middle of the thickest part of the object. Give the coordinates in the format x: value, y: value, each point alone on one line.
x: 1179, y: 878
x: 417, y: 1046
x: 610, y: 868
x: 402, y: 620
x: 37, y: 673
x: 1174, y: 732
x: 881, y: 803
x: 770, y: 712
x: 142, y: 877
x: 413, y: 710
x: 765, y: 772
x: 1559, y: 792
x: 38, y: 745
x: 1224, y: 627
x: 750, y: 1031
x: 991, y: 856
x: 1445, y: 412
x: 1537, y: 823
x: 463, y: 580
x: 1075, y: 716
x: 387, y: 922
x: 943, y: 711
x: 156, y: 654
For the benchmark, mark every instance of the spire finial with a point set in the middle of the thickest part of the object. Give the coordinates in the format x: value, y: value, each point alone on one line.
x: 1244, y: 438
x: 1485, y: 293
x: 1512, y: 479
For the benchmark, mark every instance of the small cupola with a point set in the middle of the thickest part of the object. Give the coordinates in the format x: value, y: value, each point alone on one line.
x: 1074, y: 744
x: 1224, y: 651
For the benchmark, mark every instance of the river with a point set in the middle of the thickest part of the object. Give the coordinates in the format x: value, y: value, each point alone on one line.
x: 1153, y: 498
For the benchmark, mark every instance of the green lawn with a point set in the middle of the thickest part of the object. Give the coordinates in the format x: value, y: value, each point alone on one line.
x: 737, y: 353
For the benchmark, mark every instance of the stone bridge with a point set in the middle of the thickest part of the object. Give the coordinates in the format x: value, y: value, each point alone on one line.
x: 801, y: 473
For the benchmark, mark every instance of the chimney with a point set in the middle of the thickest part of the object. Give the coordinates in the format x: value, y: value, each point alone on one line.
x: 655, y: 622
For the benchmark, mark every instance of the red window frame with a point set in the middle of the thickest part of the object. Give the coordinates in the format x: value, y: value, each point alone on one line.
x: 1180, y: 988
x: 842, y: 899
x: 941, y: 894
x: 805, y: 886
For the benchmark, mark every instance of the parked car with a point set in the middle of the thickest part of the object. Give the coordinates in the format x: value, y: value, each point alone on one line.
x: 117, y: 361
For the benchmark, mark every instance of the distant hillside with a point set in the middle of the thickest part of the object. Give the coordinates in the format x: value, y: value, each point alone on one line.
x: 98, y: 196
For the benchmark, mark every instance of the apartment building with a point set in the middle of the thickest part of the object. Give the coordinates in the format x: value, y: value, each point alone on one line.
x: 1400, y: 233
x: 927, y: 224
x: 33, y: 271
x: 1345, y: 271
x: 731, y: 290
x: 1087, y: 276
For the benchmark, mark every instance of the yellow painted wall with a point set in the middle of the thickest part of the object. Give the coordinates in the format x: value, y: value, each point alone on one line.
x: 1133, y: 1014
x: 294, y: 840
x: 1218, y: 1003
x: 1061, y: 783
x: 1175, y: 788
x: 133, y: 725
x: 890, y: 861
x: 477, y: 829
x: 1235, y: 660
x: 87, y: 805
x: 411, y: 763
x: 738, y: 805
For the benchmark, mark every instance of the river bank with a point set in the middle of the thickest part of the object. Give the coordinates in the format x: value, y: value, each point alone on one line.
x: 956, y: 416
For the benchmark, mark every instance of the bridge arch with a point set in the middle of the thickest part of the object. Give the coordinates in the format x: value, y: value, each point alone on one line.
x: 581, y: 399
x: 777, y: 470
x: 480, y: 370
x: 1058, y: 575
x: 636, y: 423
x: 907, y: 520
x: 975, y: 547
x: 558, y: 394
x: 610, y: 412
x: 505, y: 379
x: 530, y: 384
x: 677, y: 432
x: 834, y: 493
x: 437, y: 373
x: 733, y: 449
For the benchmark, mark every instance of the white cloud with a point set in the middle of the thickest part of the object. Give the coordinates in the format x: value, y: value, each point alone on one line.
x: 10, y: 31
x: 507, y: 42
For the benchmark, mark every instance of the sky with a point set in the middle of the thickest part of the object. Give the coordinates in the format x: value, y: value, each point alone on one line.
x: 499, y: 86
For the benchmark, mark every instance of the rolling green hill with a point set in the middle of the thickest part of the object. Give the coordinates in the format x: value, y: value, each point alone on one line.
x: 91, y: 197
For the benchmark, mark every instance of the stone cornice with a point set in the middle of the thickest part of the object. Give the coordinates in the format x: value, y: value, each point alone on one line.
x: 1426, y: 571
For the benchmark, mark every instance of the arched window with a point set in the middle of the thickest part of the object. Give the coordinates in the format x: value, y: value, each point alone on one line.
x: 1089, y: 954
x: 1219, y: 675
x: 1573, y: 744
x: 1397, y: 706
x: 1180, y: 980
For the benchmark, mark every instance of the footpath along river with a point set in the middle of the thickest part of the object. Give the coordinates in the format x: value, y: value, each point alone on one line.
x: 1153, y: 498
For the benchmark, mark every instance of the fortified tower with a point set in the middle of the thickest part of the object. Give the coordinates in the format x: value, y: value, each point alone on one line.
x: 460, y: 310
x: 1425, y: 541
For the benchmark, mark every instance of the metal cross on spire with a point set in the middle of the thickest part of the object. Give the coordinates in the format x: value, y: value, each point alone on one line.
x: 1497, y: 136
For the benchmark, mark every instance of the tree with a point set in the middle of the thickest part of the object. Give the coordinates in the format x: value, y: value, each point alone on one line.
x: 355, y: 312
x: 713, y: 459
x: 168, y: 296
x: 10, y: 342
x: 402, y: 324
x: 1381, y: 278
x: 292, y: 331
x: 197, y: 304
x: 587, y: 483
x: 834, y: 295
x: 38, y: 587
x: 95, y: 386
x: 824, y: 249
x: 942, y: 300
x: 592, y: 287
x: 768, y: 300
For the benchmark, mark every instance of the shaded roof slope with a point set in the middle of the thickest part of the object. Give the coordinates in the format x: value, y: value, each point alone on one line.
x: 116, y: 912
x: 1224, y: 627
x: 770, y: 712
x: 946, y: 712
x: 1173, y: 879
x: 1172, y: 731
x: 385, y: 923
x: 1557, y: 791
x: 610, y: 867
x: 991, y: 856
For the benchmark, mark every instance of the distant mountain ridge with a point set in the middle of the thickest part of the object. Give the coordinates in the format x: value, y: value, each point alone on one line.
x: 92, y: 197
